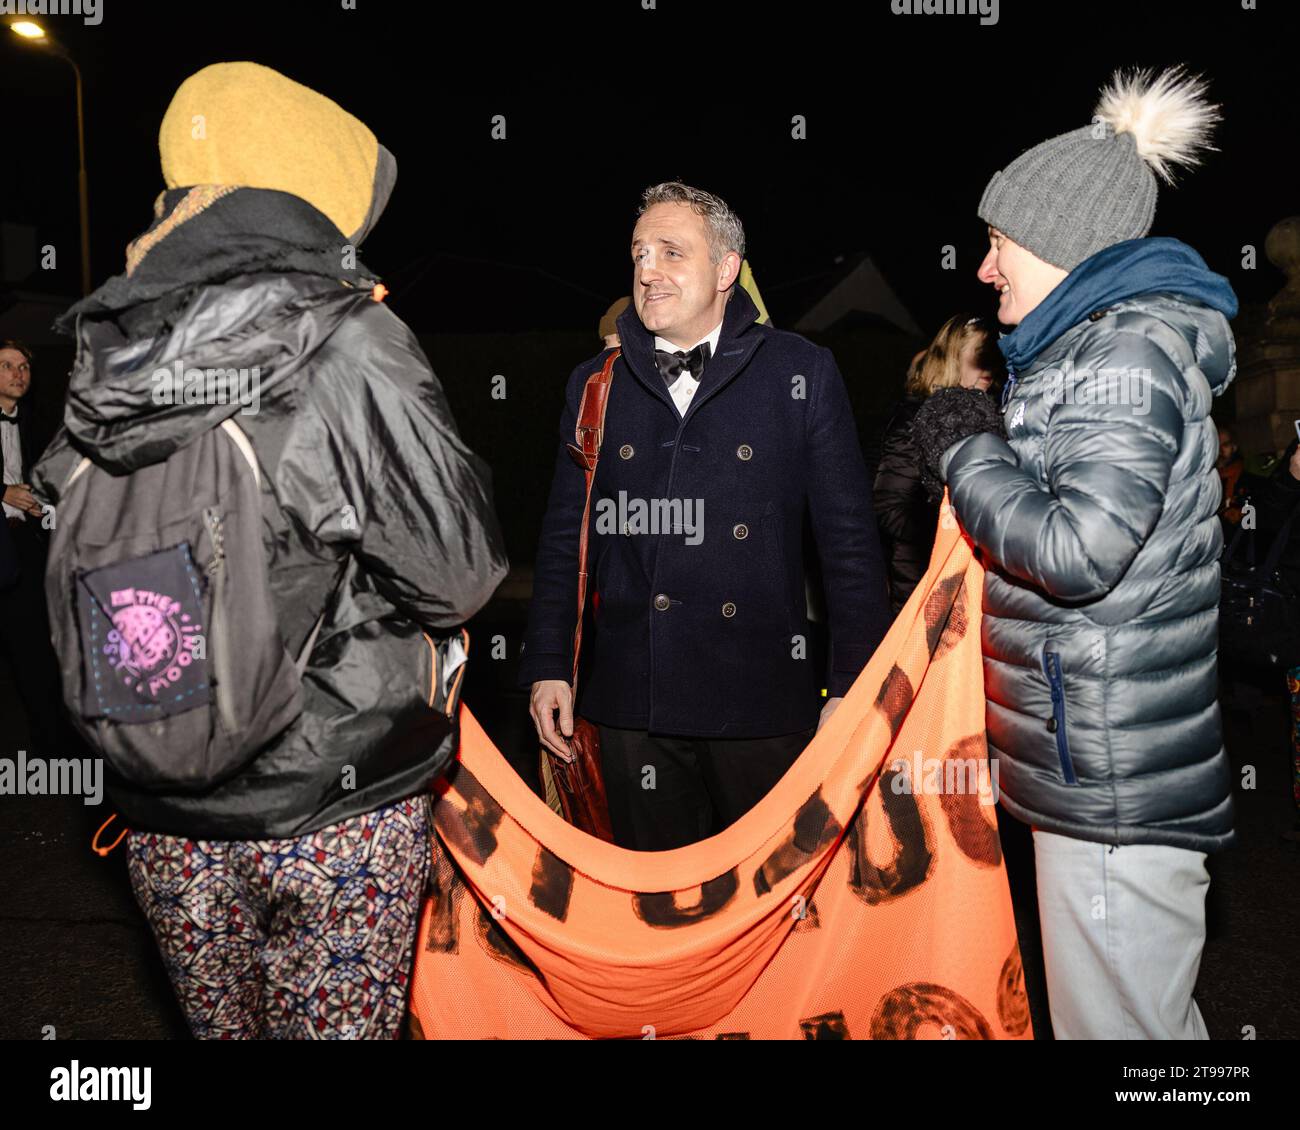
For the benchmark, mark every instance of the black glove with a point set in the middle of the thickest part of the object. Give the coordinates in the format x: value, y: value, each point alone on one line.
x: 948, y: 416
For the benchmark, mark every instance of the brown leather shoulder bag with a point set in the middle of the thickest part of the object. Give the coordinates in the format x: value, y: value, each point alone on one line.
x: 576, y: 789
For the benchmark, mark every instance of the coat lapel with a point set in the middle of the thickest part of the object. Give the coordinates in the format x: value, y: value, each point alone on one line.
x: 638, y: 346
x: 736, y: 345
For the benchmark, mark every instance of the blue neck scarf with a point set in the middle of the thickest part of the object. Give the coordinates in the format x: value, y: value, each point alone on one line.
x: 1123, y: 270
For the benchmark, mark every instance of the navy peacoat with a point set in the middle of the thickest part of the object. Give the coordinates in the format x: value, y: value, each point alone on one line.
x: 701, y: 630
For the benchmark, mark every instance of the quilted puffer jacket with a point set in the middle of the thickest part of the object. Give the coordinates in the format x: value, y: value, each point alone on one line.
x: 1097, y: 522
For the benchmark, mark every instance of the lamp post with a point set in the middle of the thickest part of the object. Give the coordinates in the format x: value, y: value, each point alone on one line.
x: 34, y: 33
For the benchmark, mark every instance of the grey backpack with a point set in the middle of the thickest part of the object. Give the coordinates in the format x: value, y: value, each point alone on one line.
x: 161, y: 615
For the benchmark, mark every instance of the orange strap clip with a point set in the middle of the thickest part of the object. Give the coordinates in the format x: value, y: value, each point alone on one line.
x: 94, y: 843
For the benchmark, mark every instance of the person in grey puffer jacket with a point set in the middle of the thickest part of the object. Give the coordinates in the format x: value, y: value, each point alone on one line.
x: 1096, y: 518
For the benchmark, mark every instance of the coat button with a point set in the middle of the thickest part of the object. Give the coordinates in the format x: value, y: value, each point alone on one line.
x: 626, y: 451
x: 1051, y: 725
x: 728, y: 610
x: 745, y: 452
x: 662, y: 602
x: 740, y: 531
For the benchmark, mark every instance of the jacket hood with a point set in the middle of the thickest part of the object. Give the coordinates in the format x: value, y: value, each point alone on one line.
x: 132, y: 402
x: 1125, y: 271
x: 248, y: 267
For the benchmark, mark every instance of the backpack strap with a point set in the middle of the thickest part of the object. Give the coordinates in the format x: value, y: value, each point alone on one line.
x: 77, y: 471
x: 228, y: 425
x: 304, y: 655
x: 241, y: 441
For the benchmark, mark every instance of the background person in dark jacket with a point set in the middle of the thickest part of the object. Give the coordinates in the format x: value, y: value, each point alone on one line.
x: 1230, y: 466
x: 1098, y: 519
x: 962, y: 355
x: 1275, y: 501
x: 8, y: 558
x: 285, y: 900
x: 24, y: 624
x: 699, y: 664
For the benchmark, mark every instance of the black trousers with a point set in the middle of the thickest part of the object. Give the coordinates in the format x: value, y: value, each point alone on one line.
x: 25, y: 641
x: 667, y: 792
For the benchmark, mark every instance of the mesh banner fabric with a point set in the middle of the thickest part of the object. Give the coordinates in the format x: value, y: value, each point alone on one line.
x: 863, y: 898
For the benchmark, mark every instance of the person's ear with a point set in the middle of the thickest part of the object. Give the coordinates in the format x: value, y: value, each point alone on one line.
x: 730, y: 270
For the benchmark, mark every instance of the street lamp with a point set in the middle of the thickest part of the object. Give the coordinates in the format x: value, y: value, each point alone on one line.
x: 33, y: 32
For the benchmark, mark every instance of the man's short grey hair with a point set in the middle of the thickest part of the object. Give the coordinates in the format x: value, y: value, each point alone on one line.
x: 725, y: 232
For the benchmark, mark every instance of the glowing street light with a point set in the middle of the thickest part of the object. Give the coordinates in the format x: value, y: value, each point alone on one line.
x: 34, y: 33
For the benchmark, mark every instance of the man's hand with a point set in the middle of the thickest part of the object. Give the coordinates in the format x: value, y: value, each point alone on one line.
x: 548, y: 696
x: 20, y: 497
x: 1294, y: 465
x: 828, y: 710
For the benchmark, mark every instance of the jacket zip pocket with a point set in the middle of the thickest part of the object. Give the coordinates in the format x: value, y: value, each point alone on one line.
x: 1056, y: 723
x: 217, y: 628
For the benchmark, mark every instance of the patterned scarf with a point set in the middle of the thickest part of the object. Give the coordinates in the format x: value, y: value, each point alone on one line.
x: 207, y: 234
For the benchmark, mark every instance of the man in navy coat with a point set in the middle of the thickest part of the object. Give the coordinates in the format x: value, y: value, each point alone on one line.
x: 721, y: 437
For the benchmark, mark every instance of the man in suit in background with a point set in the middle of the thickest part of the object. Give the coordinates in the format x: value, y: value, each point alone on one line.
x: 24, y: 625
x: 700, y: 676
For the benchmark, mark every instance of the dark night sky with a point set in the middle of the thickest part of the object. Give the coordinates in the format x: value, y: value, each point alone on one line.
x: 908, y: 116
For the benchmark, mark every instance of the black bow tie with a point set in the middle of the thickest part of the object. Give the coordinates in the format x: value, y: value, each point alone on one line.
x: 8, y: 419
x: 671, y: 364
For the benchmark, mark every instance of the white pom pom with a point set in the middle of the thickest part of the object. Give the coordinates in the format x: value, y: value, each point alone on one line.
x: 1168, y: 116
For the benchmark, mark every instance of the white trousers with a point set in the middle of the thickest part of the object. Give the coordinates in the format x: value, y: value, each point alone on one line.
x: 1123, y: 929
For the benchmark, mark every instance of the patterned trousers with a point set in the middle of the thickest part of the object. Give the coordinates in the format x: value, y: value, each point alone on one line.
x: 302, y: 938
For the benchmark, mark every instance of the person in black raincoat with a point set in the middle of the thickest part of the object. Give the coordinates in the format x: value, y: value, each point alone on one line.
x: 285, y: 899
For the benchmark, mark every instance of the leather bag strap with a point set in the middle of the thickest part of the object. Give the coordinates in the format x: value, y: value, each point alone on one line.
x: 589, y: 434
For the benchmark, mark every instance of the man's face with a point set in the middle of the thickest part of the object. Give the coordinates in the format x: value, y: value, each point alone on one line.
x: 1022, y: 279
x: 679, y: 293
x: 15, y: 375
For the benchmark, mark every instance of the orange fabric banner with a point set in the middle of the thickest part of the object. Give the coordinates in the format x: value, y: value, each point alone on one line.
x: 863, y: 898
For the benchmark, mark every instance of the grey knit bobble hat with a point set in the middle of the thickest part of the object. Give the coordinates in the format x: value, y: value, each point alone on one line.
x: 1075, y: 194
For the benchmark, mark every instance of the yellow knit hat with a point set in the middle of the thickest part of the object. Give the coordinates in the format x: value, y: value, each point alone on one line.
x: 247, y: 125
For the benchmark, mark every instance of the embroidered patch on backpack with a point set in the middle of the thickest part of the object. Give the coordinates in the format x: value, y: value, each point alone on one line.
x: 142, y: 623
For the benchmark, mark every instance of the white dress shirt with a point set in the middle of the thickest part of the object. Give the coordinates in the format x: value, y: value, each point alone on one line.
x: 13, y: 460
x: 683, y: 388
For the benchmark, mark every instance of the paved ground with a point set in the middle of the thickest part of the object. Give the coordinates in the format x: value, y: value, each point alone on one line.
x: 77, y: 954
